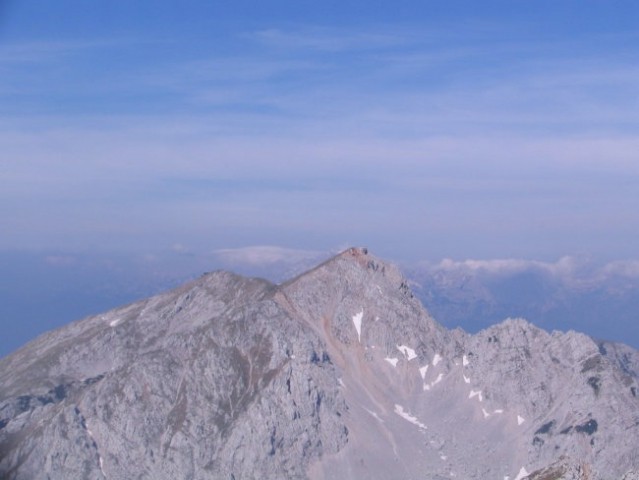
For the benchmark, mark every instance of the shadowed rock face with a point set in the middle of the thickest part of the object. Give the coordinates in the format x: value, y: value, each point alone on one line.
x: 338, y: 373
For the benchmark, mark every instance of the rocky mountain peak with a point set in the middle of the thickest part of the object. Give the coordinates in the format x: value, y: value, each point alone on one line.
x: 337, y: 373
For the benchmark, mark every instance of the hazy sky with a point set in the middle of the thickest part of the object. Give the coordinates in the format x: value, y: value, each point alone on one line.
x: 422, y: 129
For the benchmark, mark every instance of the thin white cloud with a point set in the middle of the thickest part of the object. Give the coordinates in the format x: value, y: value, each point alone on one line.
x: 50, y: 51
x: 265, y: 255
x: 628, y: 268
x: 330, y: 39
x: 60, y: 260
x: 180, y: 248
x: 573, y: 272
x: 564, y: 267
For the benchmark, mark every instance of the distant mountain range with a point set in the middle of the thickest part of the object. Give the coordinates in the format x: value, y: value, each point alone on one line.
x: 568, y: 294
x: 338, y: 372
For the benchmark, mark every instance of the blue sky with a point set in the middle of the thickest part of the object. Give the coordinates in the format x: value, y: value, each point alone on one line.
x: 422, y: 129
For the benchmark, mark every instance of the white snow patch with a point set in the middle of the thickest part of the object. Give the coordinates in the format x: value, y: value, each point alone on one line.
x: 341, y: 382
x: 434, y: 382
x: 99, y: 456
x: 422, y: 371
x: 466, y: 379
x: 465, y: 361
x: 499, y: 410
x: 443, y: 457
x: 392, y: 361
x: 436, y: 359
x: 357, y: 320
x: 522, y: 473
x: 520, y: 419
x: 373, y: 414
x: 399, y: 410
x: 486, y: 414
x: 476, y: 393
x: 115, y: 322
x: 407, y: 351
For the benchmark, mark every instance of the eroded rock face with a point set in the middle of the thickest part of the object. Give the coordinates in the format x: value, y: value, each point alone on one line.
x: 338, y: 373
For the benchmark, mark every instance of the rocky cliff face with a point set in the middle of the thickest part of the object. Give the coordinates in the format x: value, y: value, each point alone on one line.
x: 338, y: 373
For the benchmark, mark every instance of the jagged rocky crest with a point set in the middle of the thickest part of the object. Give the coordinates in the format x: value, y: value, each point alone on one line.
x: 338, y: 373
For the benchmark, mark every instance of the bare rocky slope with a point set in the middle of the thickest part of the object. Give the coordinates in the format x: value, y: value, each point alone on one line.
x: 338, y: 373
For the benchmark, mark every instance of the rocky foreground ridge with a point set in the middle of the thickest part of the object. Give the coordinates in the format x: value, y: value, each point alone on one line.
x: 338, y: 373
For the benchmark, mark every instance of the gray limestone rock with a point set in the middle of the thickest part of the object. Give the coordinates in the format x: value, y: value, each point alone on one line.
x: 337, y: 373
